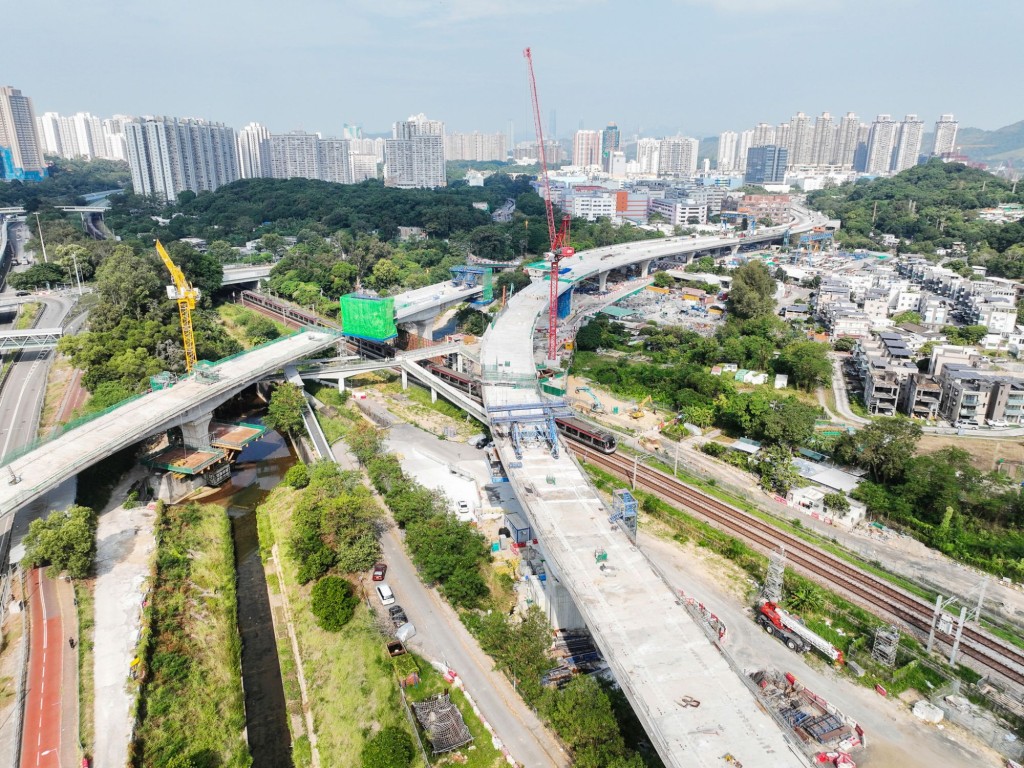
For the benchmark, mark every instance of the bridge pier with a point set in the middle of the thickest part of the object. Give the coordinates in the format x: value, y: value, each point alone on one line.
x: 422, y: 328
x: 734, y: 249
x: 602, y: 281
x: 196, y: 434
x: 405, y: 379
x: 645, y: 266
x: 433, y: 395
x: 341, y: 384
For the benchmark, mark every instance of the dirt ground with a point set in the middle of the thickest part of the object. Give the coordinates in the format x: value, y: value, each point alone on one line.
x: 581, y: 401
x: 984, y: 453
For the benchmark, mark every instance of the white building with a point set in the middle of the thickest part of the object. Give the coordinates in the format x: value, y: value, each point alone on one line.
x: 647, y: 155
x: 414, y: 156
x: 363, y: 167
x: 254, y: 151
x: 476, y: 146
x: 727, y: 146
x: 846, y: 141
x: 677, y: 156
x: 945, y: 136
x: 680, y: 212
x: 335, y: 157
x: 295, y: 155
x: 586, y: 149
x: 824, y: 147
x: 800, y: 141
x: 908, y: 145
x: 169, y: 155
x: 881, y: 145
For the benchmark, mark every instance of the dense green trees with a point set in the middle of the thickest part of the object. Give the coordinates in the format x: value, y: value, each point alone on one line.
x: 285, y: 411
x: 333, y: 602
x: 582, y: 714
x: 931, y: 206
x: 66, y: 541
x: 390, y: 747
x: 807, y: 363
x: 752, y: 292
x: 67, y: 182
x: 883, y: 447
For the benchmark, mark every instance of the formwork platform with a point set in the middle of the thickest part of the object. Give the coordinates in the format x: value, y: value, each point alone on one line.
x: 184, y: 461
x: 234, y: 437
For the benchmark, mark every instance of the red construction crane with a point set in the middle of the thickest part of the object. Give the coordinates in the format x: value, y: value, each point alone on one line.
x: 560, y: 247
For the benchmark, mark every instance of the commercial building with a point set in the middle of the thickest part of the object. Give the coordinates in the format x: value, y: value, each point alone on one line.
x: 169, y: 155
x: 766, y: 165
x: 680, y: 212
x: 414, y: 156
x: 21, y: 152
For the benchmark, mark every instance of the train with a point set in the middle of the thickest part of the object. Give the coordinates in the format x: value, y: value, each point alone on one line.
x: 575, y: 429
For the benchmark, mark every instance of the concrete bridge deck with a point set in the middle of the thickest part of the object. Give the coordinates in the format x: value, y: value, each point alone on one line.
x: 659, y: 655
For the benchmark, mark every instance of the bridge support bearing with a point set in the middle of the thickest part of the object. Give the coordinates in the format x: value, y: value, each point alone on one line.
x: 196, y: 434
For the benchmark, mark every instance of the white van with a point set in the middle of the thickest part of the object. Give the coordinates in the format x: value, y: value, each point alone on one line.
x: 387, y: 597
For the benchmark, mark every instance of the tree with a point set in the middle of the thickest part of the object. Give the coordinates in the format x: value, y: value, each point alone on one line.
x: 333, y: 602
x: 775, y: 466
x: 390, y: 747
x: 514, y: 280
x: 844, y: 344
x: 128, y: 286
x: 883, y: 447
x: 582, y: 714
x: 808, y: 363
x: 836, y: 503
x: 66, y: 541
x: 297, y: 476
x: 589, y: 337
x: 366, y: 441
x: 384, y: 274
x: 664, y: 280
x: 753, y: 291
x: 285, y: 411
x: 38, y: 275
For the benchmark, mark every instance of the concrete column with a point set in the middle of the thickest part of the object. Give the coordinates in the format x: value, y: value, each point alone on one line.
x: 196, y: 434
x: 644, y: 267
x: 341, y: 384
x: 602, y: 281
x: 405, y: 379
x: 433, y: 395
x: 734, y: 249
x: 422, y: 328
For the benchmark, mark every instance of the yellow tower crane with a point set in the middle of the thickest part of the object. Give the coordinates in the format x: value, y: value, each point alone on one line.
x: 186, y: 296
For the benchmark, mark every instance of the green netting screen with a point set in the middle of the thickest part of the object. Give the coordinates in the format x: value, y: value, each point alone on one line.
x: 488, y: 286
x: 368, y: 317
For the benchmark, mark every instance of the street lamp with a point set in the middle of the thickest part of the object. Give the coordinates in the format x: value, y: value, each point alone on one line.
x: 39, y: 228
x: 78, y: 275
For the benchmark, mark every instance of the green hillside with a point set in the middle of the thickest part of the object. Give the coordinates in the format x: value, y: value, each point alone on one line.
x: 1006, y: 143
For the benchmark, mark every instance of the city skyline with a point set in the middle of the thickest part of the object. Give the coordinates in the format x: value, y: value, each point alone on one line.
x: 403, y: 58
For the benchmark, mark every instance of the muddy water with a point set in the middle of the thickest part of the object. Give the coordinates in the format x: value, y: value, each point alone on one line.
x: 260, y: 467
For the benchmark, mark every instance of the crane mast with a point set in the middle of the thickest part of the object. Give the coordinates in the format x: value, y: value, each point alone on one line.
x: 182, y: 292
x: 559, y: 239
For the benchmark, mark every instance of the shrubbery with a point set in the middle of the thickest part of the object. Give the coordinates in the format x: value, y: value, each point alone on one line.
x: 333, y: 602
x: 64, y: 540
x: 297, y: 476
x: 390, y: 747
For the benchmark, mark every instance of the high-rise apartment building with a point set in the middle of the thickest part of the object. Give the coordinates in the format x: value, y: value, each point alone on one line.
x: 727, y: 144
x: 781, y: 136
x: 800, y: 140
x: 21, y: 152
x: 647, y: 151
x: 881, y: 145
x: 414, y: 156
x: 481, y: 147
x: 746, y: 141
x: 908, y: 144
x: 586, y: 148
x: 254, y: 151
x: 295, y: 155
x: 823, y: 149
x: 846, y: 141
x: 113, y: 136
x: 364, y: 166
x: 945, y: 136
x: 335, y: 158
x: 609, y: 144
x: 764, y: 134
x: 169, y: 155
x: 766, y: 165
x: 677, y: 156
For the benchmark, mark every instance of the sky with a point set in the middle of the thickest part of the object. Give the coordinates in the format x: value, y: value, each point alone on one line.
x: 654, y: 67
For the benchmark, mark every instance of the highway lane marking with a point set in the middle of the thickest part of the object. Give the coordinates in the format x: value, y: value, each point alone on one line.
x: 17, y: 405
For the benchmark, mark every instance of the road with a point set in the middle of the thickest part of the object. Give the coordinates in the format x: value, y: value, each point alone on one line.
x: 440, y: 636
x: 50, y: 735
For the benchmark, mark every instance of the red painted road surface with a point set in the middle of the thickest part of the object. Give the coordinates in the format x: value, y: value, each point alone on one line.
x: 40, y: 745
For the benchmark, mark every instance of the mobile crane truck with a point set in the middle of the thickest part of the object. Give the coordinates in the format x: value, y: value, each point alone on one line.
x: 790, y: 630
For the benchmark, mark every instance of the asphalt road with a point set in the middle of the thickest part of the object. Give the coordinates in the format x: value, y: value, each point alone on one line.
x: 440, y: 636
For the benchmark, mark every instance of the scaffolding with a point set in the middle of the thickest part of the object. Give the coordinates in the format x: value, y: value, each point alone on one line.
x: 470, y: 276
x: 624, y: 509
x: 366, y: 316
x: 887, y: 643
x: 771, y: 590
x: 529, y: 424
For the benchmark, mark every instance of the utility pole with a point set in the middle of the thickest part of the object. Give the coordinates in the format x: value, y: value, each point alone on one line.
x: 39, y: 228
x: 78, y: 275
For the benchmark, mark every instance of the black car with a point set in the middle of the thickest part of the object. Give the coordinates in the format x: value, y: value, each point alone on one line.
x: 397, y: 616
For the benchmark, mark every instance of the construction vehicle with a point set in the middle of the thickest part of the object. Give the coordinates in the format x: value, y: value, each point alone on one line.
x: 559, y: 239
x: 595, y: 406
x: 186, y: 296
x: 639, y: 412
x: 790, y: 630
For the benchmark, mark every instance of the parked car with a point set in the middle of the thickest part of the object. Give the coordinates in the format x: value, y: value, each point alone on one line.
x: 463, y: 507
x: 380, y: 570
x: 965, y: 425
x: 397, y: 615
x: 998, y: 423
x: 387, y: 597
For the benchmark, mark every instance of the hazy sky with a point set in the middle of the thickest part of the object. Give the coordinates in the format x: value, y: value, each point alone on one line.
x: 658, y: 66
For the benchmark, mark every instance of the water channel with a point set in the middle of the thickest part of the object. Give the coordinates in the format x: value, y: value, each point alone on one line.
x: 259, y: 468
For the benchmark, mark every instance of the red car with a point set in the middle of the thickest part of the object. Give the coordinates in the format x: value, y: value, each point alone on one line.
x: 380, y: 570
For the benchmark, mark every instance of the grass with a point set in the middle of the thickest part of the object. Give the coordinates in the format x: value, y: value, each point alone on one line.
x: 232, y: 317
x: 27, y: 315
x: 191, y: 703
x: 86, y: 671
x: 420, y: 402
x: 480, y: 753
x: 352, y: 691
x: 56, y: 386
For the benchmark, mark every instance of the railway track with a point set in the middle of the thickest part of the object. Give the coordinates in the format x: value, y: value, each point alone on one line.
x: 864, y: 588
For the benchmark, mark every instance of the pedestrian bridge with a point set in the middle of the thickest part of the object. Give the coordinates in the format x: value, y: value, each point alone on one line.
x: 34, y: 338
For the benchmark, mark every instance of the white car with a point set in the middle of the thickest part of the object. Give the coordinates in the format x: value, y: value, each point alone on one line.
x: 387, y: 597
x: 998, y: 423
x: 965, y: 425
x: 463, y: 507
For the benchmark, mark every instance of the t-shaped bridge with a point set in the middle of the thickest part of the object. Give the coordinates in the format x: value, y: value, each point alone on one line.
x: 31, y: 474
x: 694, y: 705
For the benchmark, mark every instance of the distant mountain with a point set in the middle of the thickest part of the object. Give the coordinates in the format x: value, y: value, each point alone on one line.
x: 1006, y: 143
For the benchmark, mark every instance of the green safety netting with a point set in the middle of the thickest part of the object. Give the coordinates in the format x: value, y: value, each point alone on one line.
x: 488, y: 286
x: 368, y: 317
